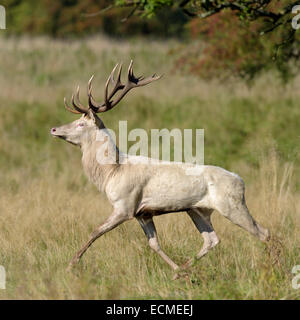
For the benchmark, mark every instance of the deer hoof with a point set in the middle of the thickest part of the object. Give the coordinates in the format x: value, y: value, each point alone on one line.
x: 187, y: 264
x: 72, y: 263
x: 181, y: 274
x: 69, y: 268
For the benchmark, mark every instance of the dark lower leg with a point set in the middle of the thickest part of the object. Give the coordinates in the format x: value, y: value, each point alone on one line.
x: 149, y: 228
x: 204, y: 226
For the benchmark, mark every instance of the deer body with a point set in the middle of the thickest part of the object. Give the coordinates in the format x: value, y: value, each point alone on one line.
x: 165, y: 188
x: 156, y: 186
x: 139, y: 187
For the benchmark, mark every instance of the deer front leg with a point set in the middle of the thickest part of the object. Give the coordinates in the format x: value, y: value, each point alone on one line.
x: 113, y: 221
x: 149, y: 228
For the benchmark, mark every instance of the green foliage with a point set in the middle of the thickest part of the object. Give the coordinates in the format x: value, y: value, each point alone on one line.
x: 149, y: 7
x: 226, y: 46
x: 85, y: 17
x: 229, y: 38
x: 240, y: 37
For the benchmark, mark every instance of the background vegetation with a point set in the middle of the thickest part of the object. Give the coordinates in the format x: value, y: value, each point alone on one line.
x: 219, y: 38
x: 48, y: 208
x: 75, y: 18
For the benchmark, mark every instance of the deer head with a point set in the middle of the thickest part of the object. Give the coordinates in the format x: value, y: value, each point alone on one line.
x: 83, y: 129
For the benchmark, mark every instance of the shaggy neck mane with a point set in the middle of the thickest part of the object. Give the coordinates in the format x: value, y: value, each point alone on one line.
x: 99, y: 157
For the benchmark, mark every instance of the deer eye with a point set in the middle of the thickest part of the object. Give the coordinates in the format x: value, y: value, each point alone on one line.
x: 81, y: 124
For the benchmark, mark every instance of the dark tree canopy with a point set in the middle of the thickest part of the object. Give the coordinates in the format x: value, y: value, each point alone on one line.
x: 229, y: 38
x: 261, y: 30
x: 250, y: 9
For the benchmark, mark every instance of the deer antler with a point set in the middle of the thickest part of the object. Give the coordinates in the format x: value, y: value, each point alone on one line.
x: 132, y: 82
x: 77, y: 108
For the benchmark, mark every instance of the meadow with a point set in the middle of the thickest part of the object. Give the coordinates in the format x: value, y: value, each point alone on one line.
x: 48, y: 208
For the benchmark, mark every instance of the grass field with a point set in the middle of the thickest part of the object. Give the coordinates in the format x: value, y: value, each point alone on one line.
x: 48, y: 208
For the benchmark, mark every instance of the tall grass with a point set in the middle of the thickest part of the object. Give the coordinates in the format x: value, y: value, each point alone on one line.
x: 48, y: 209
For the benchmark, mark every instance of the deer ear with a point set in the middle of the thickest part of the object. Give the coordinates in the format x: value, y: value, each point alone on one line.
x: 94, y: 117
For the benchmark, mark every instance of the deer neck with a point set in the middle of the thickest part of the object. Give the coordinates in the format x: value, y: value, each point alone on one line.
x: 99, y: 157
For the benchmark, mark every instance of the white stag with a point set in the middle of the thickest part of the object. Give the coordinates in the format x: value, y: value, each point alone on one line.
x: 143, y: 189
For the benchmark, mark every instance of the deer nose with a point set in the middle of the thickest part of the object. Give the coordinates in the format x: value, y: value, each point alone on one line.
x: 53, y: 130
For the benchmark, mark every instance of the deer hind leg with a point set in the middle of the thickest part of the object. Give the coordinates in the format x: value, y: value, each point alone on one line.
x: 148, y: 226
x: 234, y: 208
x: 113, y: 221
x: 201, y: 219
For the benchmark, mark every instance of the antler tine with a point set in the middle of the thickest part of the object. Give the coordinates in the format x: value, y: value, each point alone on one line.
x: 134, y: 82
x: 97, y: 107
x: 141, y: 80
x: 119, y: 73
x: 130, y: 70
x: 70, y: 109
x: 76, y: 107
x: 106, y: 99
x: 92, y: 103
x: 78, y: 101
x: 89, y: 87
x: 112, y: 80
x: 148, y: 80
x: 118, y: 84
x: 109, y: 79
